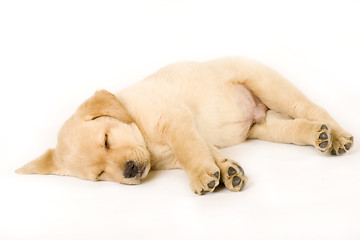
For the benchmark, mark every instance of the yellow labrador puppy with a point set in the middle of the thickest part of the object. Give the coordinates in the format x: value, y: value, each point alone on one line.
x: 179, y: 117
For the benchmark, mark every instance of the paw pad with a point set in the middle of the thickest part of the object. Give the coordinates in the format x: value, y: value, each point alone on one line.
x: 236, y: 181
x: 341, y: 151
x: 347, y: 146
x: 211, y: 184
x: 324, y: 127
x: 240, y: 168
x: 231, y: 171
x: 323, y: 144
x: 323, y: 136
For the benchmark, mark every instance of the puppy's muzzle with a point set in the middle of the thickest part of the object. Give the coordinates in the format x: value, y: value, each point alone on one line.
x: 132, y: 170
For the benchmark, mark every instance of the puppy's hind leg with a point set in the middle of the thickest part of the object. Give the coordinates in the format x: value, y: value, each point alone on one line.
x: 280, y: 95
x: 281, y: 128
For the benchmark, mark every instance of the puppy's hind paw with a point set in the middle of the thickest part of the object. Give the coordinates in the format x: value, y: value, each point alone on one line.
x: 323, y: 138
x: 341, y: 145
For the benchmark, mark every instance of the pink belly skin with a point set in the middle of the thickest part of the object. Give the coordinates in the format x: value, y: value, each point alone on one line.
x: 259, y: 111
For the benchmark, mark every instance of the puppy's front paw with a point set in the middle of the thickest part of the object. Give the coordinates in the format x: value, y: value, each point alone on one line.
x: 232, y: 175
x: 205, y: 180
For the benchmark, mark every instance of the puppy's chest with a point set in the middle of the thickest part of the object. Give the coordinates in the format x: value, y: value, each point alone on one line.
x: 162, y: 156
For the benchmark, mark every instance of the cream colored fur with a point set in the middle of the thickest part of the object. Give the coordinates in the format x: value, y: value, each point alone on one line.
x: 179, y: 117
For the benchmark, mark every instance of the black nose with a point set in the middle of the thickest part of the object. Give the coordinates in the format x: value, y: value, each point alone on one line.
x: 131, y: 170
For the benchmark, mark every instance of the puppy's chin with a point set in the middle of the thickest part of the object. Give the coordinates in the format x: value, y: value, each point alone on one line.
x: 132, y: 181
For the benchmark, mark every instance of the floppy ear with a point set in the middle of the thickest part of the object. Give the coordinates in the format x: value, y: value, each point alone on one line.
x: 42, y: 165
x: 103, y: 103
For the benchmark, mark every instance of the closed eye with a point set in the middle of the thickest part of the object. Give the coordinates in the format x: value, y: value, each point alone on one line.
x: 106, y: 144
x: 99, y: 175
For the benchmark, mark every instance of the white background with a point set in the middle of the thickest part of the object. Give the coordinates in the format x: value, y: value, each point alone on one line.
x: 55, y: 54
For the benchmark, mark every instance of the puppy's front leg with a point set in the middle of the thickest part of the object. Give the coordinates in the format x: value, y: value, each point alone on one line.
x: 194, y: 156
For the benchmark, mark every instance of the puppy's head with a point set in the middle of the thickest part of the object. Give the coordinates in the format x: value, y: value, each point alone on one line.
x: 99, y: 142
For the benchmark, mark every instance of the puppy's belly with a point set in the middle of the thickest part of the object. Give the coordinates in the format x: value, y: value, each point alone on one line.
x: 228, y: 123
x: 229, y: 134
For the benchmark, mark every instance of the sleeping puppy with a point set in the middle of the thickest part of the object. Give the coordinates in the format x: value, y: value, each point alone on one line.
x: 179, y: 117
